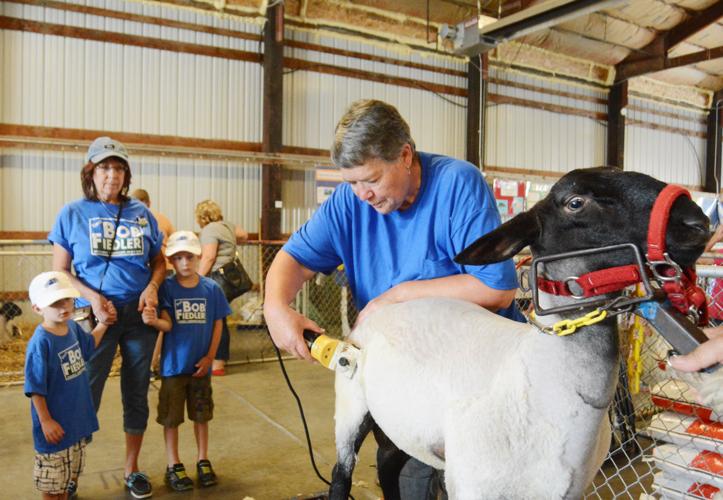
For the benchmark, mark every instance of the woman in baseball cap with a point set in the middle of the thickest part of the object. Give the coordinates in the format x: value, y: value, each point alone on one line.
x: 114, y: 245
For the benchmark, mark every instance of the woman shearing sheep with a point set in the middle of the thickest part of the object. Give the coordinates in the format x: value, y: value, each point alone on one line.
x: 396, y: 224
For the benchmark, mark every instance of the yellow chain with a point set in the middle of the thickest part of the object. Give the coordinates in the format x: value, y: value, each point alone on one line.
x: 568, y: 326
x: 635, y: 366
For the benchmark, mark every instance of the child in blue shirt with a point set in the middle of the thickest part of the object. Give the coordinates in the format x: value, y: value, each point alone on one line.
x: 57, y: 383
x: 192, y: 310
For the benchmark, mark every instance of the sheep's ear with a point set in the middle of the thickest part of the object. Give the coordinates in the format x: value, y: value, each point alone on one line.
x: 503, y: 243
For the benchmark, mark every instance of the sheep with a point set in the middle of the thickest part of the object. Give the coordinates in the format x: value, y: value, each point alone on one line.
x: 505, y: 410
x: 8, y: 330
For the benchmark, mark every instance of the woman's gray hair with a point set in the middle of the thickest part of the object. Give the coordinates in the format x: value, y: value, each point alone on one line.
x: 369, y: 130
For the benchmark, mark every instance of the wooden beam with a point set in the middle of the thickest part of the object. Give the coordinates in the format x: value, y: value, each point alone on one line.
x: 328, y: 69
x: 665, y: 128
x: 371, y: 57
x: 617, y: 101
x: 713, y: 145
x: 15, y: 24
x: 654, y: 56
x: 88, y: 135
x: 241, y: 35
x: 544, y: 106
x: 475, y: 87
x: 273, y: 62
x: 544, y: 90
x: 11, y: 23
x: 695, y: 57
x: 697, y: 23
x: 139, y: 18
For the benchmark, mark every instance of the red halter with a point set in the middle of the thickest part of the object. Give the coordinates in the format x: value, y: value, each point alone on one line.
x: 679, y: 285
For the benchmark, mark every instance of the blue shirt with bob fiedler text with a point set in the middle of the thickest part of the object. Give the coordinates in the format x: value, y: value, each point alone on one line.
x: 453, y: 208
x: 193, y: 313
x: 55, y: 369
x: 84, y: 229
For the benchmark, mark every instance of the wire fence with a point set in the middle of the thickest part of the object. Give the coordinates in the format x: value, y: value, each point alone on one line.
x: 664, y: 444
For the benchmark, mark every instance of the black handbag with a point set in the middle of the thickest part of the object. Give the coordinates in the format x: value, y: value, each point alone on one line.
x: 232, y: 278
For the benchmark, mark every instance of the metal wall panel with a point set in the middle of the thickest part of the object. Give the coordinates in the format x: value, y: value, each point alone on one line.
x: 35, y: 184
x: 528, y: 138
x: 62, y: 82
x: 314, y: 102
x: 669, y: 156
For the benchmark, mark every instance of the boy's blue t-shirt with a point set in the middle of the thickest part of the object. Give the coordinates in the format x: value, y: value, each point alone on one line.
x: 193, y: 313
x: 454, y: 207
x: 84, y: 229
x: 55, y: 369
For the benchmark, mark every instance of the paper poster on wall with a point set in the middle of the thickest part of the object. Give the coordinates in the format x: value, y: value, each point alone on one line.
x: 327, y: 178
x: 510, y: 196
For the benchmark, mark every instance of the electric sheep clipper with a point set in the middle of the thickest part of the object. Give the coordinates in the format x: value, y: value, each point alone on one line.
x: 334, y: 354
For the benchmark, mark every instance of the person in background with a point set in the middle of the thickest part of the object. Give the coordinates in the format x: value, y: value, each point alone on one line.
x: 192, y: 309
x: 396, y: 224
x: 166, y: 227
x: 57, y: 383
x: 218, y: 241
x: 164, y: 223
x: 113, y: 244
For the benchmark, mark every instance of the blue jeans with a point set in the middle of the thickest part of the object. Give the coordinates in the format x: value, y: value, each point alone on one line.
x: 418, y: 481
x: 136, y: 341
x: 223, y: 352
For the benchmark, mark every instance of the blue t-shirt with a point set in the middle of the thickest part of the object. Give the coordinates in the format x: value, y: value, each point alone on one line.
x: 55, y: 369
x: 85, y: 229
x: 193, y: 313
x: 453, y: 208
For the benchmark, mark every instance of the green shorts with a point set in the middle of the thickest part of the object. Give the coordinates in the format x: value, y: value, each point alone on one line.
x: 196, y: 393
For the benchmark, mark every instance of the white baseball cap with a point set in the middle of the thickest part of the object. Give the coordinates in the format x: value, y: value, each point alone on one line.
x: 50, y: 287
x: 105, y: 147
x: 183, y: 241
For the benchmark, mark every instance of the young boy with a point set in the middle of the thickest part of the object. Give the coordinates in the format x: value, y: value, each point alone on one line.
x: 57, y: 383
x: 198, y: 306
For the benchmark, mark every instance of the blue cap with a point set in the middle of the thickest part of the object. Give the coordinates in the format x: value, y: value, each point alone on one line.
x: 105, y: 147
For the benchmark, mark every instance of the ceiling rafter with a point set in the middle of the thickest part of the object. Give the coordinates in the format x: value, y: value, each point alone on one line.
x: 675, y: 6
x: 591, y: 38
x: 637, y: 63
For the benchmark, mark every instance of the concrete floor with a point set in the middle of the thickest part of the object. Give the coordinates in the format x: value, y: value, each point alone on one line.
x: 257, y: 443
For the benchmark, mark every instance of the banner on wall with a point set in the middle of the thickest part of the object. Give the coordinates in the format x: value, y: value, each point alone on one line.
x: 327, y: 178
x: 510, y: 197
x: 513, y: 197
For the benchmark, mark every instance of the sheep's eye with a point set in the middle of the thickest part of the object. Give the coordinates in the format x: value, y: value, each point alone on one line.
x: 575, y: 203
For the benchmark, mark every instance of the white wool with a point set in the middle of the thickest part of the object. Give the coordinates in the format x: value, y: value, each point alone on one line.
x: 495, y: 395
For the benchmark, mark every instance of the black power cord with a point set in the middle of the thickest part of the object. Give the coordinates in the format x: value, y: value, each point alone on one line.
x: 303, y: 417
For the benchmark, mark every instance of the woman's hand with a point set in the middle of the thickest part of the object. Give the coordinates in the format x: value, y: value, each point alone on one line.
x: 149, y: 316
x: 391, y: 296
x: 104, y: 310
x: 286, y: 327
x: 149, y: 297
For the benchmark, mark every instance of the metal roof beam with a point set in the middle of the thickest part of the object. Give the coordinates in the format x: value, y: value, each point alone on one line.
x: 654, y: 56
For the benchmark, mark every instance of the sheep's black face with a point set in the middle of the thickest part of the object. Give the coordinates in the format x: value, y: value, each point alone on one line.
x: 591, y: 208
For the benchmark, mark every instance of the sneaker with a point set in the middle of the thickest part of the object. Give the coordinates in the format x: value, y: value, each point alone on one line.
x: 206, y: 475
x: 177, y: 479
x: 72, y: 490
x: 139, y: 485
x: 218, y: 372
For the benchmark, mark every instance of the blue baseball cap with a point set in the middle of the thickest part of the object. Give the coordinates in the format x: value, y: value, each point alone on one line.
x: 105, y: 147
